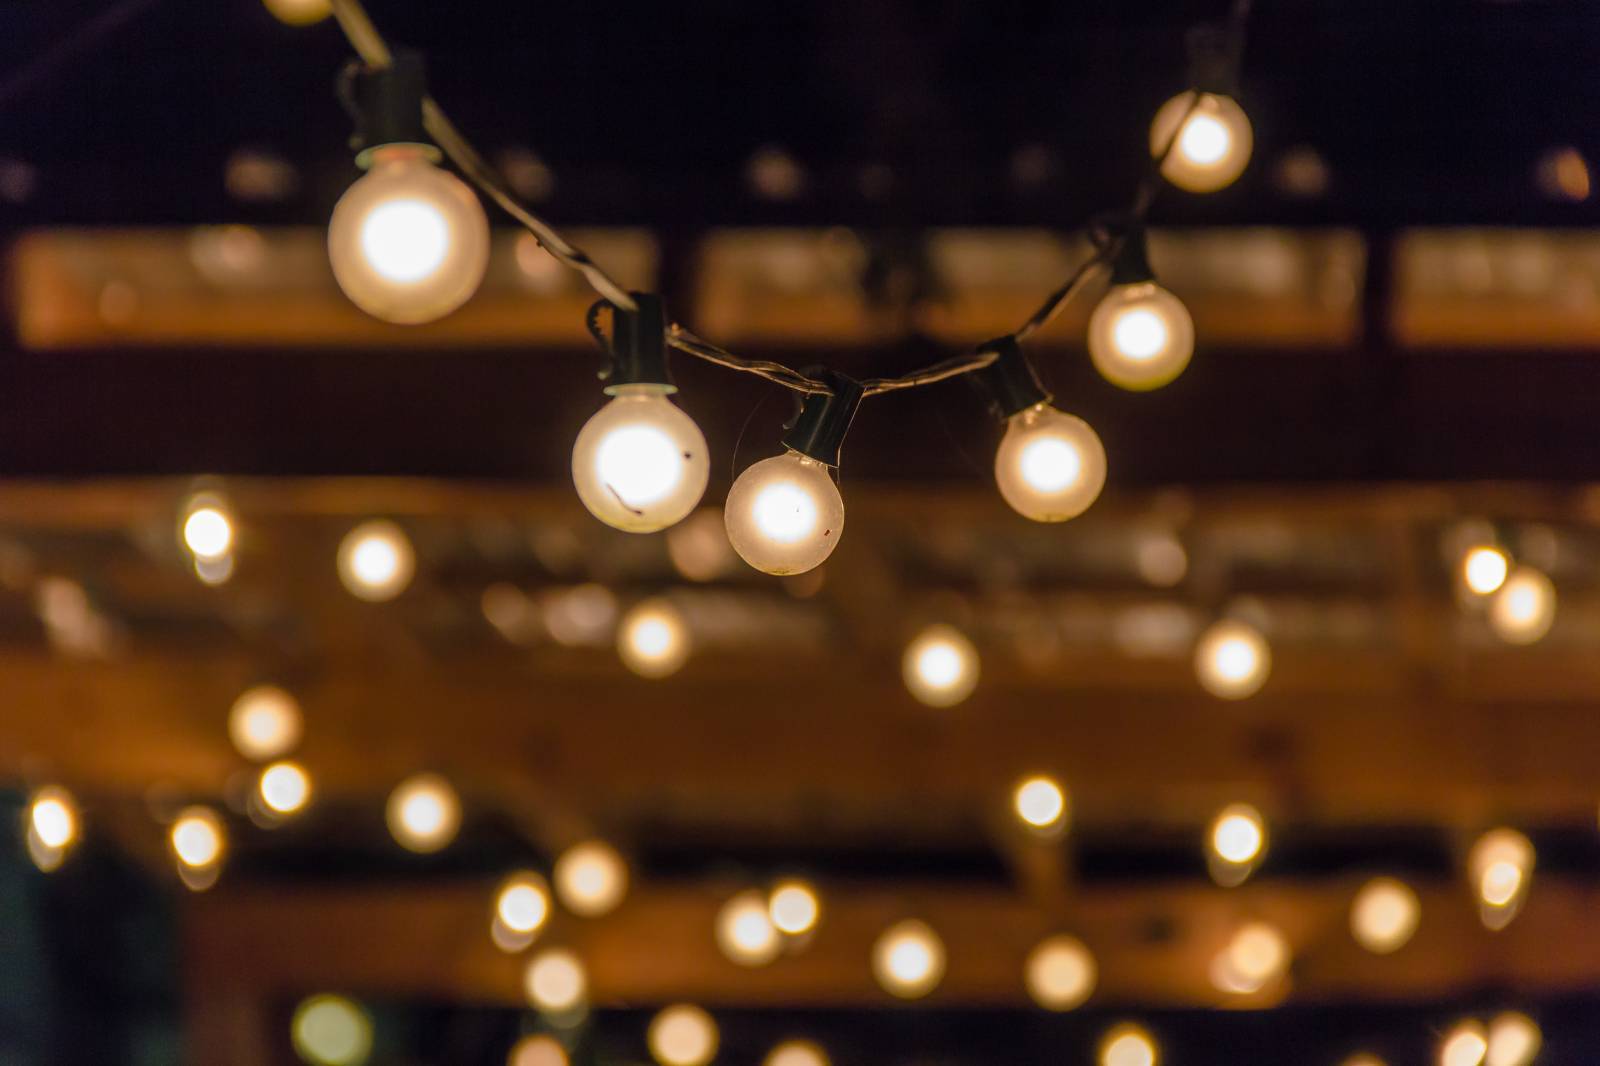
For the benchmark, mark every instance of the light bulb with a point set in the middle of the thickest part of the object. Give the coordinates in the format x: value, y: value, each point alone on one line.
x: 784, y: 515
x: 198, y: 838
x: 284, y: 787
x: 1464, y: 1045
x: 264, y: 723
x: 1363, y: 1059
x: 640, y: 464
x: 539, y: 1049
x: 1232, y: 660
x: 1384, y: 915
x: 1140, y: 336
x: 424, y: 813
x: 1050, y: 466
x: 408, y: 242
x: 653, y: 639
x: 52, y: 826
x: 299, y: 12
x: 908, y: 959
x: 207, y: 530
x: 745, y: 932
x: 682, y: 1035
x: 796, y: 1053
x: 523, y: 903
x: 376, y: 561
x: 1484, y: 569
x: 591, y: 878
x: 794, y: 907
x: 940, y: 666
x: 555, y: 981
x: 1524, y: 608
x: 331, y: 1031
x: 1256, y: 955
x: 1060, y: 973
x: 1127, y: 1045
x: 1235, y: 844
x: 1040, y: 803
x: 1501, y: 867
x: 1211, y: 150
x: 1514, y: 1040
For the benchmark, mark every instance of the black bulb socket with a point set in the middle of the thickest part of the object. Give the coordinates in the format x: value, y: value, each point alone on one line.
x: 387, y: 104
x: 638, y: 345
x: 1009, y: 383
x: 818, y: 429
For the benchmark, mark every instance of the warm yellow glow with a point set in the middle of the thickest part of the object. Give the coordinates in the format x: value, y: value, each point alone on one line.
x: 682, y: 1035
x: 408, y: 242
x: 53, y: 817
x: 207, y: 531
x: 1465, y: 1045
x: 745, y: 932
x: 1514, y: 1040
x: 1384, y: 915
x: 1484, y: 569
x: 940, y: 666
x: 1501, y: 865
x: 264, y: 723
x: 284, y: 787
x: 653, y: 639
x: 640, y: 464
x: 424, y: 813
x: 1256, y: 955
x: 794, y: 907
x: 908, y: 959
x: 1140, y: 336
x: 538, y: 1050
x: 331, y: 1031
x: 591, y: 878
x: 376, y: 561
x: 555, y: 981
x: 1060, y: 973
x: 1128, y: 1045
x: 784, y: 515
x: 198, y: 838
x: 1050, y: 466
x: 1232, y: 660
x: 1040, y: 802
x: 796, y: 1053
x: 1213, y: 147
x: 1237, y: 840
x: 1524, y: 608
x: 299, y: 12
x: 1363, y: 1059
x: 523, y: 903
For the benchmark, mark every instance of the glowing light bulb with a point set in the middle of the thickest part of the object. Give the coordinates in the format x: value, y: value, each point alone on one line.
x: 424, y: 813
x: 653, y: 639
x: 591, y: 878
x: 640, y: 464
x: 1237, y: 841
x: 784, y: 515
x: 1232, y: 660
x: 682, y: 1035
x: 555, y: 981
x: 1384, y: 915
x: 53, y: 817
x: 1040, y: 802
x: 198, y: 838
x: 908, y: 959
x: 207, y: 530
x: 794, y: 907
x: 376, y: 561
x: 1524, y: 608
x: 523, y: 903
x: 1050, y: 466
x: 1060, y: 973
x: 299, y: 12
x: 1256, y: 955
x: 331, y: 1031
x: 1501, y: 867
x: 745, y: 932
x: 1363, y: 1059
x: 284, y: 787
x: 940, y: 666
x: 796, y: 1053
x: 1464, y: 1045
x: 408, y: 242
x: 1140, y: 336
x: 1484, y: 569
x: 1514, y: 1039
x: 1127, y: 1045
x: 540, y: 1049
x: 264, y: 723
x: 1211, y: 150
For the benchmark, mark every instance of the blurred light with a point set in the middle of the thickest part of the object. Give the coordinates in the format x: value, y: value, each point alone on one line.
x: 1232, y: 660
x: 745, y: 932
x: 53, y: 817
x: 118, y: 303
x: 214, y: 571
x: 1524, y: 608
x: 1563, y: 174
x: 699, y: 548
x: 198, y: 838
x: 1237, y: 840
x: 1464, y: 1045
x: 794, y: 907
x: 1212, y: 147
x: 255, y: 176
x: 1256, y: 955
x: 299, y: 12
x: 1161, y: 560
x: 581, y: 615
x: 1303, y: 173
x: 774, y: 174
x: 424, y: 813
x: 376, y: 561
x: 207, y: 530
x: 264, y: 723
x: 284, y: 787
x: 683, y: 1035
x: 1060, y: 973
x: 1384, y: 915
x: 796, y: 1053
x: 653, y: 639
x: 1363, y: 1059
x: 940, y: 666
x: 331, y: 1031
x: 1040, y: 803
x: 1127, y: 1045
x: 538, y: 1050
x: 555, y: 981
x: 1484, y: 569
x: 224, y: 255
x: 1501, y: 866
x: 529, y: 177
x: 1514, y: 1040
x: 591, y: 878
x: 523, y: 902
x: 908, y: 959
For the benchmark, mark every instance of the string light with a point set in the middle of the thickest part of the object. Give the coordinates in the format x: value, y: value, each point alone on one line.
x: 521, y: 907
x: 796, y: 1053
x: 640, y: 464
x: 1232, y: 660
x: 591, y: 878
x: 1140, y: 336
x: 1040, y: 803
x: 784, y: 515
x: 284, y: 788
x: 1501, y: 867
x: 1524, y: 608
x: 1514, y: 1040
x: 682, y: 1035
x: 1128, y: 1045
x: 424, y: 813
x: 198, y: 842
x: 908, y: 959
x: 299, y: 12
x: 1060, y: 973
x: 1213, y: 147
x: 653, y: 639
x: 540, y: 1049
x: 940, y: 666
x: 53, y: 817
x: 555, y: 981
x: 376, y: 561
x: 1464, y: 1045
x: 331, y: 1031
x: 264, y: 723
x: 1384, y: 915
x: 794, y: 907
x: 1237, y: 840
x: 1254, y: 957
x: 1484, y: 569
x: 207, y: 528
x: 745, y: 932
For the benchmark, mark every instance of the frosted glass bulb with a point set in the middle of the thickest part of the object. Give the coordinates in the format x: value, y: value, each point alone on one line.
x: 1256, y: 955
x: 1484, y: 569
x: 794, y: 907
x: 1501, y: 866
x: 376, y: 561
x: 796, y: 1053
x: 1514, y: 1040
x: 198, y: 838
x: 640, y: 464
x: 745, y: 932
x: 1040, y: 802
x: 1384, y: 915
x: 1060, y: 973
x: 284, y: 787
x: 1232, y: 660
x: 523, y: 903
x: 1524, y: 608
x: 1050, y: 466
x: 408, y: 242
x: 1127, y: 1045
x: 1213, y: 147
x: 784, y: 514
x: 1140, y: 336
x: 591, y: 878
x: 424, y: 813
x: 331, y: 1031
x: 653, y: 639
x: 940, y: 666
x: 682, y: 1035
x: 908, y: 960
x: 207, y: 532
x: 556, y: 981
x: 299, y: 12
x: 1465, y: 1045
x: 264, y: 722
